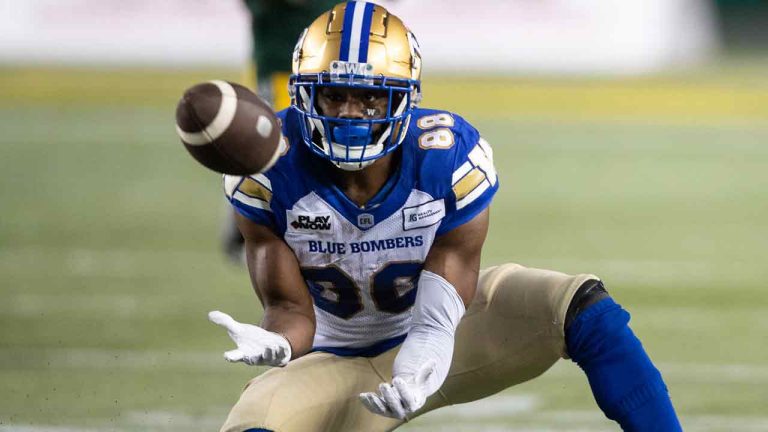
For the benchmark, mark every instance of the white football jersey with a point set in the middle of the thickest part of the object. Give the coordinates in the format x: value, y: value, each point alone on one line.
x: 361, y: 265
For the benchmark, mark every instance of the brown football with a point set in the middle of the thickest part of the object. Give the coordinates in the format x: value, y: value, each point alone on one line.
x: 227, y: 128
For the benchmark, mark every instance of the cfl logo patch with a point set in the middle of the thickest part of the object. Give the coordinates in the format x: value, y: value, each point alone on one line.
x: 365, y: 220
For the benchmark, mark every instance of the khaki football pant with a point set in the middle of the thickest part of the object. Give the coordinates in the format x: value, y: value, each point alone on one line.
x: 511, y: 333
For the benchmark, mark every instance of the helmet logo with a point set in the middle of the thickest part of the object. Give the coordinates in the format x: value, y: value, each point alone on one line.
x: 339, y: 68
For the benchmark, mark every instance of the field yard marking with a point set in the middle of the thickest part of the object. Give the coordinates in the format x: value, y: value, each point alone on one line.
x: 124, y: 263
x: 653, y: 271
x: 503, y: 413
x: 541, y: 421
x: 732, y: 373
x: 118, y: 263
x: 96, y: 358
x: 155, y: 419
x: 692, y: 372
x: 34, y: 305
x: 584, y: 421
x: 140, y: 359
x: 50, y: 428
x: 490, y: 407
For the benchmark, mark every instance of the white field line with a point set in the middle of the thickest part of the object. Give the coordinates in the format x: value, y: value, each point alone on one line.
x: 73, y: 358
x: 508, y: 412
x: 500, y: 427
x: 159, y: 419
x: 128, y: 263
x: 125, y: 305
x: 708, y: 373
x: 618, y: 270
x: 477, y: 417
x: 117, y: 263
x: 35, y: 305
x: 50, y: 428
x: 94, y: 358
x: 490, y: 407
x: 727, y: 373
x: 139, y: 421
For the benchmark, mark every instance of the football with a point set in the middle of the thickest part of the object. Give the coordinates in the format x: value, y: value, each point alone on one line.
x: 227, y: 128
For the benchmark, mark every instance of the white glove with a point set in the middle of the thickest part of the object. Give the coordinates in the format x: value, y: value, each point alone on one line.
x: 423, y: 362
x: 255, y: 346
x: 405, y: 395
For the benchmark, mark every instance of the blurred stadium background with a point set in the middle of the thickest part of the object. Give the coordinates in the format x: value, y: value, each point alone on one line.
x: 631, y: 139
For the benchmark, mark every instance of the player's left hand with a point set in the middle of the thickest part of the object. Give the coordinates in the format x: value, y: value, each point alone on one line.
x: 405, y: 395
x: 255, y: 346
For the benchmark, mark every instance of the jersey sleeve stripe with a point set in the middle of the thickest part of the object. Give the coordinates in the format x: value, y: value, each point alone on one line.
x: 487, y: 149
x: 473, y: 195
x: 231, y: 183
x: 468, y: 183
x: 254, y: 189
x: 483, y: 159
x: 461, y: 172
x: 251, y: 201
x: 261, y: 178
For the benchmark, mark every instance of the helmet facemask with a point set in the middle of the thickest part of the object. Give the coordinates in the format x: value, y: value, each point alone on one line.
x: 353, y: 144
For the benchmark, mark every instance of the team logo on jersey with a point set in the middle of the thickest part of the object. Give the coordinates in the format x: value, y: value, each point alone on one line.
x: 423, y: 215
x: 312, y: 223
x: 365, y: 220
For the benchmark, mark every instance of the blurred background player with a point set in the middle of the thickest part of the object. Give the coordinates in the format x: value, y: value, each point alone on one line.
x: 275, y: 25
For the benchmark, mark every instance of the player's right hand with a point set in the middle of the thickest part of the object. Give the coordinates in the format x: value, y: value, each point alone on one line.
x: 404, y: 396
x: 255, y: 346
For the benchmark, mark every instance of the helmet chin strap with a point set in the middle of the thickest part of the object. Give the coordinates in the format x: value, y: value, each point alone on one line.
x: 355, y: 153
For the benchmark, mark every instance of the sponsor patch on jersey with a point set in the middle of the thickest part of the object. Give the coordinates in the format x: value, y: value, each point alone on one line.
x: 303, y: 222
x: 423, y: 215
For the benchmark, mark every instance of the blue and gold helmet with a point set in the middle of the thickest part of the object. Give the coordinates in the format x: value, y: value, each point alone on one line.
x: 356, y: 45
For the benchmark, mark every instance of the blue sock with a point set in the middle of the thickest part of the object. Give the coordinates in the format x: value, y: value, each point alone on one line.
x: 625, y: 384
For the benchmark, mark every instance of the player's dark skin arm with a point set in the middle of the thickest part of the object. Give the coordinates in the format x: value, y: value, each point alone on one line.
x: 277, y: 280
x: 456, y: 255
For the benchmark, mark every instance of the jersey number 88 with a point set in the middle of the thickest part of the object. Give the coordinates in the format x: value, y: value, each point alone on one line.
x: 393, y: 288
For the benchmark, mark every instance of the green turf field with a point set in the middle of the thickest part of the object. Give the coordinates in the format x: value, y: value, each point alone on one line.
x: 109, y: 255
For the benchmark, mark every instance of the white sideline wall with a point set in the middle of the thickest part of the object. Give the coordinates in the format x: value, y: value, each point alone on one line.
x: 517, y: 36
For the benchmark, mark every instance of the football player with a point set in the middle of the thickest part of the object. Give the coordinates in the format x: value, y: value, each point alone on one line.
x: 363, y: 244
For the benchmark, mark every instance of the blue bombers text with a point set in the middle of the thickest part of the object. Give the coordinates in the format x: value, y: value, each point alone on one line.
x: 338, y: 248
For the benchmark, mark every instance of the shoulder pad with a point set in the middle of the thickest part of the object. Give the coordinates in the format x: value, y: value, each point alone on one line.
x: 455, y: 163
